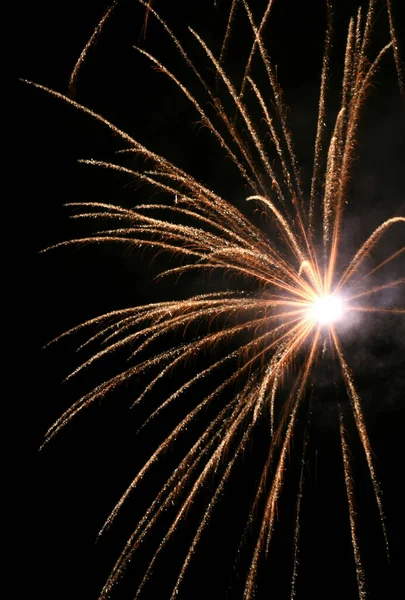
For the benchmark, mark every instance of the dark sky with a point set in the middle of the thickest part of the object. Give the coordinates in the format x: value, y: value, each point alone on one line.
x: 81, y: 474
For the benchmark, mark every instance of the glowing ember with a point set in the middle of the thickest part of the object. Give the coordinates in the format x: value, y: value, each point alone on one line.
x: 328, y: 309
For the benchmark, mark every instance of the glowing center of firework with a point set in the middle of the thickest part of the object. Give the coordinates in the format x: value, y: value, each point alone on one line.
x: 327, y: 309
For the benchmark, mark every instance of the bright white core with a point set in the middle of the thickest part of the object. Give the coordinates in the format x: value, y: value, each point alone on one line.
x: 328, y: 309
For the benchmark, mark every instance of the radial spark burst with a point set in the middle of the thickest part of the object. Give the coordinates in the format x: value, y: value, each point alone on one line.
x: 302, y: 289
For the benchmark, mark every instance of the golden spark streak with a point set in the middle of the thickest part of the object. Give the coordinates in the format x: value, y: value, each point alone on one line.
x: 362, y: 430
x: 298, y: 520
x: 90, y: 43
x: 352, y: 511
x: 395, y: 46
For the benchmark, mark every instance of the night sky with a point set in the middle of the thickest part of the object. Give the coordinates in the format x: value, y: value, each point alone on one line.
x: 80, y: 475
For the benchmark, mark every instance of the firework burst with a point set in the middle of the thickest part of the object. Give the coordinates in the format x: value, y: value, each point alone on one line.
x: 288, y: 324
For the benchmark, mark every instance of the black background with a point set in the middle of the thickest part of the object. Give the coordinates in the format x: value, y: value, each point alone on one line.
x: 83, y: 471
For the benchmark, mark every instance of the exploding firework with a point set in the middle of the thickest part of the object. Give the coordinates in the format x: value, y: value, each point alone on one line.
x: 267, y: 344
